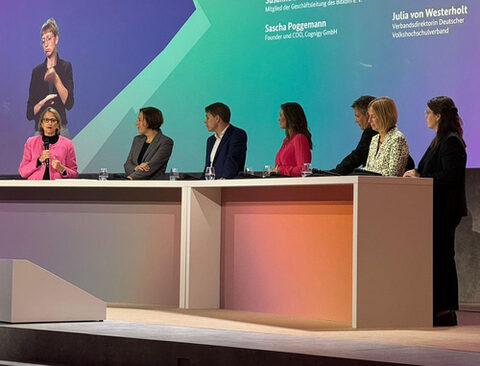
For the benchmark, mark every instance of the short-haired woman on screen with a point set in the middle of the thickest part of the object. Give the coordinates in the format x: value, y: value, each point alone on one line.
x: 51, y: 83
x: 444, y: 161
x: 151, y: 150
x: 49, y: 156
x: 388, y: 152
x: 297, y: 145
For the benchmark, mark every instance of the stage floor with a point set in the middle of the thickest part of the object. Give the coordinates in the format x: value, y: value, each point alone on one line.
x: 242, y: 330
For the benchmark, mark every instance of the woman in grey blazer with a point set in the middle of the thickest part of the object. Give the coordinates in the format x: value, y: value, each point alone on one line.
x: 150, y: 151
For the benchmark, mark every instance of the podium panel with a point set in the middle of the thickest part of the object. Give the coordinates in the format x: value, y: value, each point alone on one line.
x: 29, y: 293
x: 355, y: 250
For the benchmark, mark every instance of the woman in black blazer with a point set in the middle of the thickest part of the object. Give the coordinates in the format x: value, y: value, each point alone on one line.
x: 151, y: 149
x: 444, y: 161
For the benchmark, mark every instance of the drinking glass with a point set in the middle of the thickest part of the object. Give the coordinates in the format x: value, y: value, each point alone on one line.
x: 306, y: 170
x: 209, y: 173
x: 249, y: 171
x: 266, y: 171
x: 103, y: 174
x: 174, y: 174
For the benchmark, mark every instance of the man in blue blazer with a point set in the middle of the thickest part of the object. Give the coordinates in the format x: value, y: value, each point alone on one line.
x: 227, y: 148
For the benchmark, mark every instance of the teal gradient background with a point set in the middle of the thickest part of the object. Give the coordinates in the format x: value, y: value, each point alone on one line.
x: 220, y: 54
x: 233, y: 63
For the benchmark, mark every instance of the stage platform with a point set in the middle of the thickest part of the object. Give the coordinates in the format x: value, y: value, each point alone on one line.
x: 221, y: 337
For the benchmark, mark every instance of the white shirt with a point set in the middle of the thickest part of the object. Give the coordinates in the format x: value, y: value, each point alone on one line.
x: 215, y: 145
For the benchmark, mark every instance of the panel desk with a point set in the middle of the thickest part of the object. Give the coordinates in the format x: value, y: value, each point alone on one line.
x: 356, y: 250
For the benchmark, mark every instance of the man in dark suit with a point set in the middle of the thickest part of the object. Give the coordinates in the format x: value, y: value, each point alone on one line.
x: 227, y: 148
x: 359, y: 156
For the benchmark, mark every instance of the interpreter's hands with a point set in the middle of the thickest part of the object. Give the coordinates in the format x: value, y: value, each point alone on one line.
x: 144, y: 167
x: 50, y: 75
x: 57, y: 165
x: 275, y: 170
x: 44, y: 155
x: 412, y: 173
x: 48, y: 100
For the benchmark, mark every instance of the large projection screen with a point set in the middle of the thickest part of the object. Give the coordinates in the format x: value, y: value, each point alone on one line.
x: 253, y: 55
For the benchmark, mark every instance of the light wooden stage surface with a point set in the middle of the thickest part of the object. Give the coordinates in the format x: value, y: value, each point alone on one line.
x: 208, y: 337
x: 464, y: 337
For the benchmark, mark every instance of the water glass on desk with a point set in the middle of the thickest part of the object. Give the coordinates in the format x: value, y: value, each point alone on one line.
x: 306, y: 170
x: 174, y: 174
x: 249, y: 171
x: 209, y: 173
x: 266, y: 171
x: 103, y: 174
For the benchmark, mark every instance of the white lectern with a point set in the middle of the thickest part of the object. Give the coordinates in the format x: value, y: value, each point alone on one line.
x: 29, y: 293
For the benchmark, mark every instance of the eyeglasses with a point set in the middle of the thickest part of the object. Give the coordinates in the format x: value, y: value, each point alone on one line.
x: 46, y: 39
x: 51, y: 120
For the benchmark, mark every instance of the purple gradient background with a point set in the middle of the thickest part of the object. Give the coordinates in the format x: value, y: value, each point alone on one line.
x: 107, y: 42
x: 413, y: 70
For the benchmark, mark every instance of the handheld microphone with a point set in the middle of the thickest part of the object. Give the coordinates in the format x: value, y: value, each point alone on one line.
x: 46, y: 145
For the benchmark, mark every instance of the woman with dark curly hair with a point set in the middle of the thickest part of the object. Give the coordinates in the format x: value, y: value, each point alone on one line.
x: 444, y: 161
x: 297, y: 145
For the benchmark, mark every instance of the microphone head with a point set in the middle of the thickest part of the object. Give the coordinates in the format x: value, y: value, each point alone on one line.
x: 46, y: 142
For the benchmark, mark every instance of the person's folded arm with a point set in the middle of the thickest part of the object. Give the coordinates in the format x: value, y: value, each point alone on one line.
x: 156, y: 162
x: 129, y: 166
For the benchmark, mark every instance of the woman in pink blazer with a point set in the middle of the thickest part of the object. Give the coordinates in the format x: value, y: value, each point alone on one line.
x: 49, y: 156
x: 297, y: 145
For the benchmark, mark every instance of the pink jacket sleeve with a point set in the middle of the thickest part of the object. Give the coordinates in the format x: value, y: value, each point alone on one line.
x: 63, y: 150
x: 28, y: 166
x: 301, y: 154
x: 71, y: 161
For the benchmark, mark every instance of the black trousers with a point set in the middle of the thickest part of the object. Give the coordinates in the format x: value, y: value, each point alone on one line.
x: 445, y: 282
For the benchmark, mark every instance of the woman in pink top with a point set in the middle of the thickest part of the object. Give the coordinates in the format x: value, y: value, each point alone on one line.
x: 297, y: 145
x: 49, y: 156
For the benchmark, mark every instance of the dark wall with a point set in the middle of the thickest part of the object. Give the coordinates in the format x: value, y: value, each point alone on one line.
x: 467, y: 243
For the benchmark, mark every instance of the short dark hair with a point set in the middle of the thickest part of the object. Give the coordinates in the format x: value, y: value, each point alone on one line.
x: 362, y: 103
x: 153, y: 116
x: 219, y: 109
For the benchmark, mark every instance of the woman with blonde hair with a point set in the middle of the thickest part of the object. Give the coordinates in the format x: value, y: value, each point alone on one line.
x: 388, y: 152
x: 51, y: 84
x: 49, y: 156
